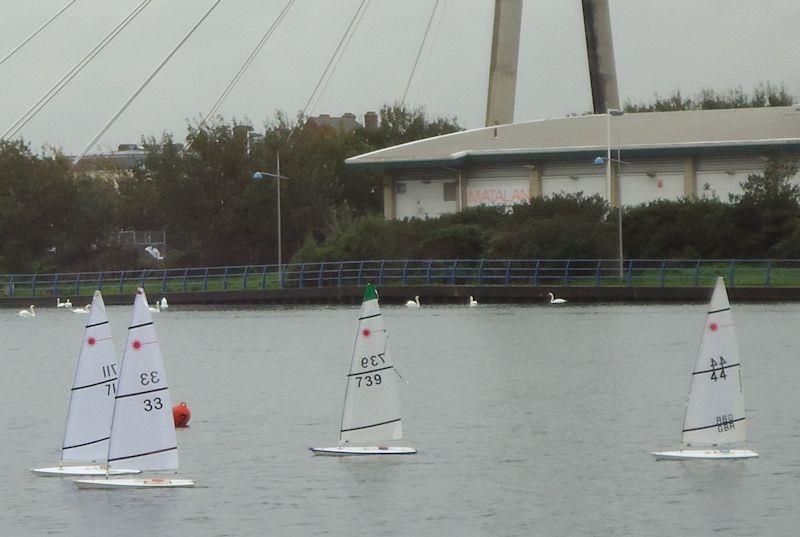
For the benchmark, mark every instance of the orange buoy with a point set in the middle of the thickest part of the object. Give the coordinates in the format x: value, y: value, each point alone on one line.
x: 181, y: 414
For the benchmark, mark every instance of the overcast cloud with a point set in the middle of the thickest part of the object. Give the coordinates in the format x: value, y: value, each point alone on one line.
x: 659, y: 46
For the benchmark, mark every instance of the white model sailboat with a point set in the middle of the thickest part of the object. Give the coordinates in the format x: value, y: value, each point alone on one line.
x: 371, y: 413
x: 142, y: 428
x: 91, y: 402
x: 715, y: 420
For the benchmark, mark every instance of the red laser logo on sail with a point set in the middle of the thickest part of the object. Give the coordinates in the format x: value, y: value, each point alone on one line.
x: 713, y: 327
x: 366, y: 332
x: 136, y: 345
x: 91, y: 340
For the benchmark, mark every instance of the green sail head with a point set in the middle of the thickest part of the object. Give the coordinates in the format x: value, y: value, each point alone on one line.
x: 370, y: 293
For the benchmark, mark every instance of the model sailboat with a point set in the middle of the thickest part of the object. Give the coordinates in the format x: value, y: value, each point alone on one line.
x: 715, y: 420
x: 142, y: 428
x: 371, y: 415
x: 91, y: 402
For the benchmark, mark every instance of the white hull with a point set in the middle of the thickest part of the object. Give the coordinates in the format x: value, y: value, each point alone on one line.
x: 367, y: 450
x: 74, y: 471
x: 704, y: 454
x: 136, y: 483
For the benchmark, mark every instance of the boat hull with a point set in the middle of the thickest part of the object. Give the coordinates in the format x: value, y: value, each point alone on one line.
x: 343, y: 451
x: 704, y: 454
x: 133, y: 483
x: 75, y: 471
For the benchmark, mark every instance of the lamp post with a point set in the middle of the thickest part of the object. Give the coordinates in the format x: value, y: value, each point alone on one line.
x: 277, y: 176
x: 608, y: 160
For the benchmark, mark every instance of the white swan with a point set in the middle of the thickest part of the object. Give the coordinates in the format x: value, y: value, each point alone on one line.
x: 554, y: 300
x: 84, y: 309
x: 156, y: 309
x: 413, y: 303
x: 65, y: 304
x: 164, y: 303
x: 472, y: 301
x: 28, y: 312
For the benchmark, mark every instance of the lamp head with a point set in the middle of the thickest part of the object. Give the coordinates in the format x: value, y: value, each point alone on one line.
x: 257, y: 175
x: 599, y: 160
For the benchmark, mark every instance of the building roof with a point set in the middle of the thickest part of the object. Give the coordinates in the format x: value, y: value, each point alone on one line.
x: 738, y: 130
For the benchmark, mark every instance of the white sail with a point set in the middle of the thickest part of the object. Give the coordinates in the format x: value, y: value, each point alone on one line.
x: 371, y: 406
x: 715, y: 411
x: 91, y: 400
x: 142, y: 430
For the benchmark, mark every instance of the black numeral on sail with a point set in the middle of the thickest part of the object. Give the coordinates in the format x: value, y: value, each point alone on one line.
x: 722, y: 375
x: 149, y: 378
x: 109, y: 370
x: 725, y: 423
x: 374, y: 360
x: 154, y: 404
x: 368, y: 380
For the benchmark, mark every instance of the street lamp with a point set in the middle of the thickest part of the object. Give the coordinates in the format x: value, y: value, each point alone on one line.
x: 608, y: 160
x: 262, y: 175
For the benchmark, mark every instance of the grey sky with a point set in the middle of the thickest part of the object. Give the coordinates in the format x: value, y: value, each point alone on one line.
x: 659, y: 46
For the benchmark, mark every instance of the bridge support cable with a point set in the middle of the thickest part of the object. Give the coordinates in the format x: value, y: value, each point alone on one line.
x: 58, y: 86
x: 145, y: 83
x: 245, y: 65
x: 42, y: 27
x: 419, y: 52
x: 333, y: 62
x: 430, y: 51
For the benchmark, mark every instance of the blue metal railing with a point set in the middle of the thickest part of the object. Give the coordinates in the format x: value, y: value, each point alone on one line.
x: 414, y: 272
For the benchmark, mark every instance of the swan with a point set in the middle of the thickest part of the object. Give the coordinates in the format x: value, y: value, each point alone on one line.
x: 554, y: 300
x: 472, y: 301
x: 66, y: 304
x: 413, y: 303
x: 28, y: 312
x: 84, y: 309
x: 156, y: 309
x: 164, y: 303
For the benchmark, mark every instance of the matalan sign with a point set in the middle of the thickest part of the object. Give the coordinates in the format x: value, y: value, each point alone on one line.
x: 497, y: 196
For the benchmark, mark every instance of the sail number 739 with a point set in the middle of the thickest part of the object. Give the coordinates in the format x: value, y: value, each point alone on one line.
x: 372, y: 361
x: 368, y: 380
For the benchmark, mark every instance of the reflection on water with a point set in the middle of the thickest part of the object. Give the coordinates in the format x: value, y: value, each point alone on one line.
x: 528, y: 420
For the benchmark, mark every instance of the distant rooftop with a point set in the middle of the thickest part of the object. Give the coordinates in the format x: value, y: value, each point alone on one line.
x: 645, y: 133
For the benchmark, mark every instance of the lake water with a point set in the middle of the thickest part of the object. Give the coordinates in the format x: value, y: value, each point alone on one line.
x: 529, y: 420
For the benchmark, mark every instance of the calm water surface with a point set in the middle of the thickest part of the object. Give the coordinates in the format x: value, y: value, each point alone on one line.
x: 529, y: 420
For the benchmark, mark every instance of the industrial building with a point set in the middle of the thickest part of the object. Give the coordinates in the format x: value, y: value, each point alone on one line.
x: 654, y: 155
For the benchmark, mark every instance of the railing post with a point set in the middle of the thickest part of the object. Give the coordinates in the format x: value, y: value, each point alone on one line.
x: 185, y: 278
x: 339, y: 277
x: 507, y: 278
x: 100, y: 282
x: 629, y: 275
x: 430, y: 269
x: 225, y: 279
x: 360, y: 271
x: 405, y: 272
x: 566, y: 272
x: 11, y: 284
x: 33, y: 286
x: 597, y: 278
x: 697, y: 273
x: 380, y: 272
x: 769, y: 273
x: 55, y: 284
x: 302, y: 272
x: 732, y: 273
x: 264, y: 277
x: 244, y: 277
x: 480, y: 272
x: 205, y: 280
x: 319, y: 277
x: 280, y: 276
x: 663, y: 275
x: 141, y: 283
x: 453, y: 273
x: 121, y: 282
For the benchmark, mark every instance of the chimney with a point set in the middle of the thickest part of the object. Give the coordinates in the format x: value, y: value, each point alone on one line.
x: 370, y: 120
